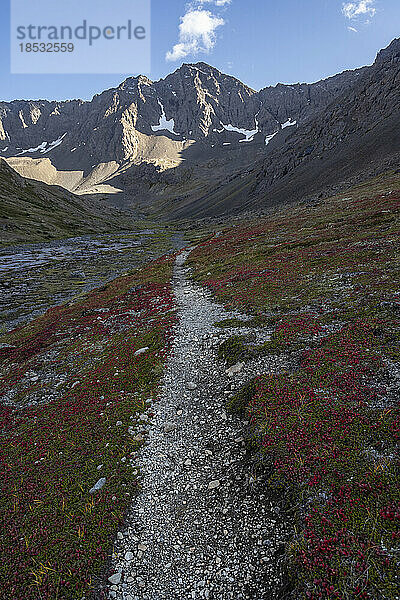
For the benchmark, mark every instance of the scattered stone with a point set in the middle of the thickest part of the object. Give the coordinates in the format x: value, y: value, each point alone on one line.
x: 116, y: 578
x: 141, y: 351
x: 142, y: 547
x: 234, y: 369
x: 98, y: 485
x: 168, y: 427
x: 191, y: 386
x: 129, y: 555
x: 214, y: 484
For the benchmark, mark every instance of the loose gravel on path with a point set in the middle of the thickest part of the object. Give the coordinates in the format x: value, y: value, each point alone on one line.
x: 203, y: 525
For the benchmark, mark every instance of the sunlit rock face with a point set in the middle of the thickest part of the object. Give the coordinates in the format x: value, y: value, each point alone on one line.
x: 195, y: 103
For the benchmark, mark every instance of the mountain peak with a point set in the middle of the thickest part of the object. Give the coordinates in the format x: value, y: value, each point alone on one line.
x: 199, y: 66
x: 391, y: 52
x: 139, y: 79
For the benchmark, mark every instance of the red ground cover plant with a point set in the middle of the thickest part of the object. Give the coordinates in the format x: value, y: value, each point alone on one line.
x: 329, y: 279
x: 76, y: 422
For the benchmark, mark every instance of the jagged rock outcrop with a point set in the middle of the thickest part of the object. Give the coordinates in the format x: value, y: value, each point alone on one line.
x: 200, y: 142
x: 357, y: 131
x: 195, y: 103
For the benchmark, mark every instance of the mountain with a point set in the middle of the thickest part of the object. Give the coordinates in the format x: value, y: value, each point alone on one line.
x: 200, y: 142
x: 33, y: 211
x: 355, y: 137
x: 156, y: 126
x: 358, y: 134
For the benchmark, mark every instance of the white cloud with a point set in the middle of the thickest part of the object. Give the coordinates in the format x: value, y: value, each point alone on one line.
x: 359, y: 9
x: 197, y: 33
x: 353, y: 29
x: 216, y: 2
x: 197, y: 29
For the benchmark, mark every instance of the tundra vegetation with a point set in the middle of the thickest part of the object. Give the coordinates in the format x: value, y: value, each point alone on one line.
x: 324, y: 279
x: 73, y: 390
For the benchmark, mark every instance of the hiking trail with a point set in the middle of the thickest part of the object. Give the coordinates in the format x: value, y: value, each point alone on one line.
x: 203, y: 525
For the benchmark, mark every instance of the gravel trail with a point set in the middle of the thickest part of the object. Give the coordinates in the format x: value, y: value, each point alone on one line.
x: 203, y: 525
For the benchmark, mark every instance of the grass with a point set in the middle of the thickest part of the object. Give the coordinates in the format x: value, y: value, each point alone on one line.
x: 25, y: 215
x: 76, y: 420
x: 327, y: 278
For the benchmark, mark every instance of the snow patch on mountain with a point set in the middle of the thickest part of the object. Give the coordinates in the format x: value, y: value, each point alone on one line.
x: 269, y: 138
x: 54, y: 144
x: 289, y: 123
x: 39, y: 148
x: 249, y: 133
x: 164, y: 124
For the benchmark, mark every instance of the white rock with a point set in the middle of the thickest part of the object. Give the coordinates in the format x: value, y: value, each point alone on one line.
x: 98, y: 485
x: 129, y: 556
x: 141, y: 351
x: 234, y: 369
x: 116, y: 578
x: 214, y: 484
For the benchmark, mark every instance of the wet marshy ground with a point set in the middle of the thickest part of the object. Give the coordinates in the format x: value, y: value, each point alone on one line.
x: 36, y: 276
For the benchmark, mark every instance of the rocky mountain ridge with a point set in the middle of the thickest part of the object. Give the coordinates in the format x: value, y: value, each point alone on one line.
x: 200, y: 142
x: 358, y: 131
x: 33, y: 211
x: 355, y: 137
x: 154, y: 122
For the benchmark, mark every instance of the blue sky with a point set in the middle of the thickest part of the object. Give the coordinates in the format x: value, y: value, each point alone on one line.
x: 262, y: 42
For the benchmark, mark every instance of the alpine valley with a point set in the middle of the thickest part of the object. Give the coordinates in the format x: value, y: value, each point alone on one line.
x: 201, y: 143
x: 200, y: 333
